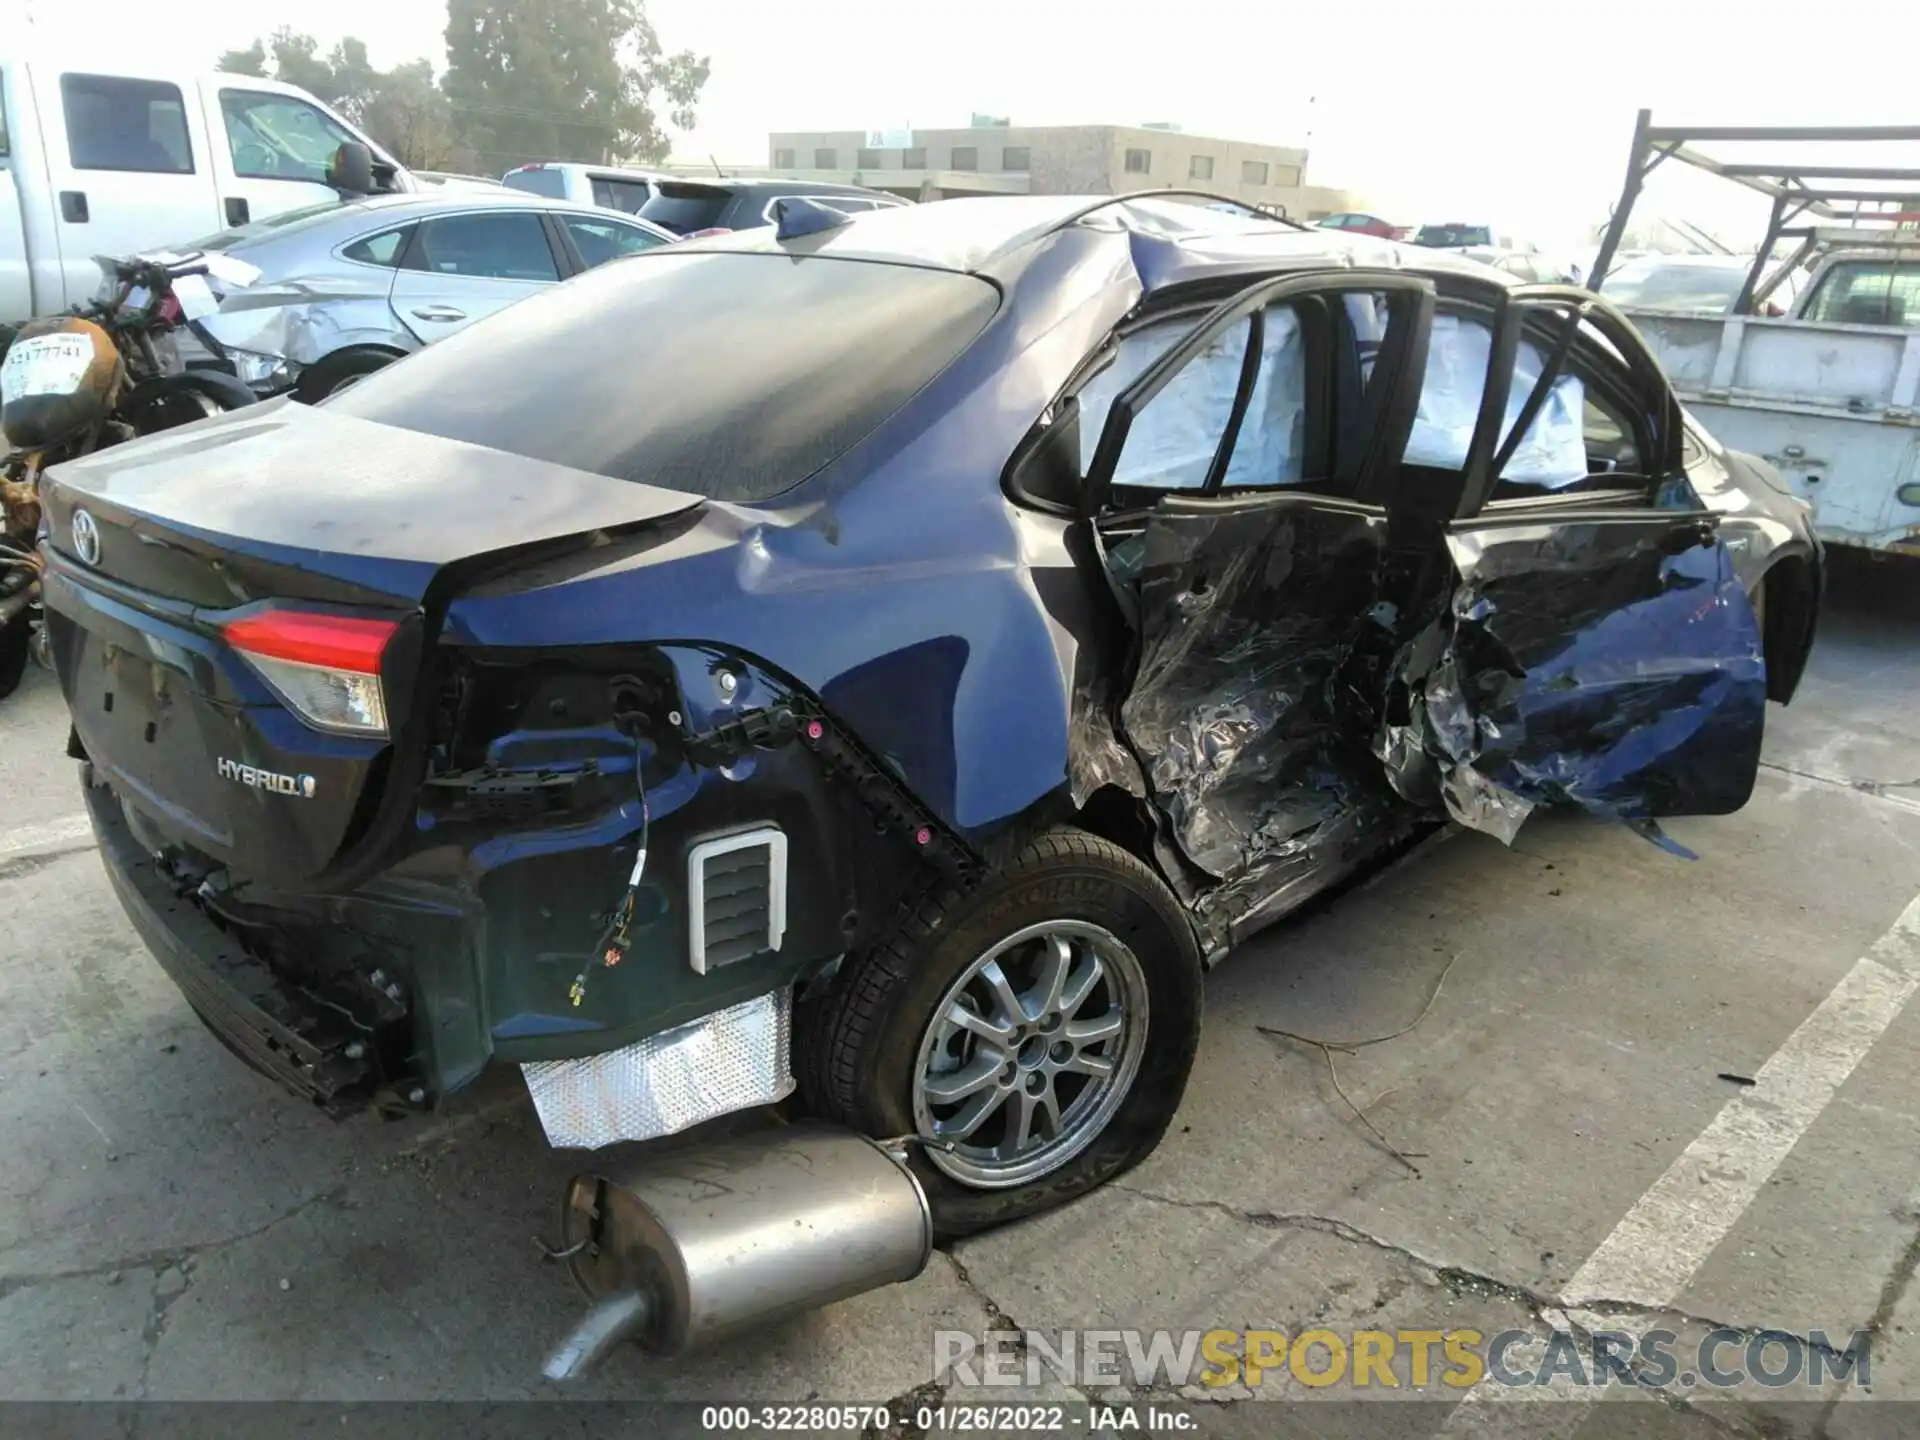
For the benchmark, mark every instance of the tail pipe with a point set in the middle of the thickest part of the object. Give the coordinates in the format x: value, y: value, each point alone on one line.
x: 706, y: 1243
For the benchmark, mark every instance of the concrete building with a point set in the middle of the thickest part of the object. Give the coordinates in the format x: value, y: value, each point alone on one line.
x: 1001, y: 159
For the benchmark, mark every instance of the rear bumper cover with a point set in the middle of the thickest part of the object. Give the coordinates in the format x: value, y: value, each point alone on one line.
x: 308, y: 1049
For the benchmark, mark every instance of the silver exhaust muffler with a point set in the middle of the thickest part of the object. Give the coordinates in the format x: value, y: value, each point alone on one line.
x: 702, y: 1244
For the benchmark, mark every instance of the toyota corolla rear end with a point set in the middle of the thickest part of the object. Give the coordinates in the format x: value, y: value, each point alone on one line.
x: 396, y: 761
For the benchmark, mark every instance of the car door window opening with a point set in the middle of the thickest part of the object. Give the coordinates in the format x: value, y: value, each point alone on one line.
x: 383, y: 250
x: 280, y: 137
x: 599, y: 241
x: 1300, y: 424
x: 116, y: 123
x: 494, y: 245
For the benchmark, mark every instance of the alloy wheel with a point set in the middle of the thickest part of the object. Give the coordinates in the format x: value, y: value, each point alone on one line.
x: 1030, y: 1052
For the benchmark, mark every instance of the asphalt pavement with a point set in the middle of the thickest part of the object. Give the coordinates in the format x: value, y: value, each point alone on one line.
x: 1652, y: 1094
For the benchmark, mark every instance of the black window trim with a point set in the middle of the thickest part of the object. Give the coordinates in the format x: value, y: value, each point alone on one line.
x: 1629, y: 380
x: 1403, y: 348
x: 234, y: 164
x: 562, y: 258
x: 186, y: 126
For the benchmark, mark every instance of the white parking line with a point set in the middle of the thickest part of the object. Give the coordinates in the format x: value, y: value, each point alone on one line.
x: 1664, y: 1239
x: 49, y: 835
x: 1668, y: 1234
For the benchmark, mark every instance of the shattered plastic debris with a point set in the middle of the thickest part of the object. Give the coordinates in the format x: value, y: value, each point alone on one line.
x: 1479, y: 804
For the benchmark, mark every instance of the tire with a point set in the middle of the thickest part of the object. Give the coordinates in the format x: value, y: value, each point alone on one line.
x: 869, y: 1045
x: 15, y: 643
x: 336, y: 372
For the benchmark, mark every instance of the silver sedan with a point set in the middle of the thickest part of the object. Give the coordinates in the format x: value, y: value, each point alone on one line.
x: 313, y: 299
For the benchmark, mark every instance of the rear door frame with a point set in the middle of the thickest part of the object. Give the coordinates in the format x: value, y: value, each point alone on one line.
x: 1355, y: 493
x: 564, y: 266
x: 1661, y: 515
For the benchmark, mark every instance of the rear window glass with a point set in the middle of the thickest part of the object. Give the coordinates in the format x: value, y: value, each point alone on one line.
x: 755, y: 370
x: 618, y: 194
x: 550, y: 183
x: 1875, y: 292
x: 1453, y: 237
x: 686, y: 208
x: 287, y: 220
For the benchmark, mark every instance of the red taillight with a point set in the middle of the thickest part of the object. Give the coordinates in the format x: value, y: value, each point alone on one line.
x: 326, y: 668
x: 170, y: 310
x: 339, y: 642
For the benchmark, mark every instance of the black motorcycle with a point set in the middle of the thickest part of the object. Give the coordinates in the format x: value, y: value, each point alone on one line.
x: 71, y: 384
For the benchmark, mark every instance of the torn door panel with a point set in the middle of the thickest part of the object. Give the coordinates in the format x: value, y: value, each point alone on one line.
x: 1254, y: 749
x: 1612, y: 664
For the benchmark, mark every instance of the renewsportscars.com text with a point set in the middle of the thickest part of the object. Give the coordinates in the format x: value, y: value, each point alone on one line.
x: 1413, y: 1359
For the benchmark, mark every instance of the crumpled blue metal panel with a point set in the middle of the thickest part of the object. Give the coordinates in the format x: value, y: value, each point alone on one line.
x: 1583, y: 665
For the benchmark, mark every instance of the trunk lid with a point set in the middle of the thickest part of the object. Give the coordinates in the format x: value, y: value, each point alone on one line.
x: 291, y: 501
x: 281, y: 507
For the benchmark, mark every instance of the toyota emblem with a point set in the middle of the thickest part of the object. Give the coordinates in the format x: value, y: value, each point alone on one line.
x: 86, y: 538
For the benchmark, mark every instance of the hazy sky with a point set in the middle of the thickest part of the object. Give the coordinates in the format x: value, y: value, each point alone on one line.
x: 1519, y: 114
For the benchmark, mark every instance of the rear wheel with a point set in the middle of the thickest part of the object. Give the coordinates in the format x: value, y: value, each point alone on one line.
x: 1040, y: 1029
x: 15, y: 638
x: 337, y: 372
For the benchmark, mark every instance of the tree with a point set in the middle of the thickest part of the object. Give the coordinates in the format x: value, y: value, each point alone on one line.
x: 565, y: 80
x: 250, y: 61
x: 407, y: 113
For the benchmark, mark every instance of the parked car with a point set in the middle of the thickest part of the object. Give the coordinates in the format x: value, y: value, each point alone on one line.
x: 453, y: 180
x: 1709, y: 283
x: 1358, y: 224
x: 97, y: 162
x: 1529, y: 266
x: 687, y: 207
x: 960, y: 634
x: 338, y: 291
x: 609, y: 186
x: 1458, y: 235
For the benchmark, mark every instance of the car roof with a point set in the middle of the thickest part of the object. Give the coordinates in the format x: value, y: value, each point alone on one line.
x: 768, y: 182
x: 375, y: 210
x: 587, y: 167
x: 974, y: 233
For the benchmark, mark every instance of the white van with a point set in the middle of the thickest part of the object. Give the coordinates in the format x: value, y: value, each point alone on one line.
x: 607, y: 186
x: 110, y: 159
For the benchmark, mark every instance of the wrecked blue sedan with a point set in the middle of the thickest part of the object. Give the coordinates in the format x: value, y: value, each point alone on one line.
x: 893, y: 657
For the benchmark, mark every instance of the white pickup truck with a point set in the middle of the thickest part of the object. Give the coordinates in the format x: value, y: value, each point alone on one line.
x: 110, y: 160
x: 1829, y: 392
